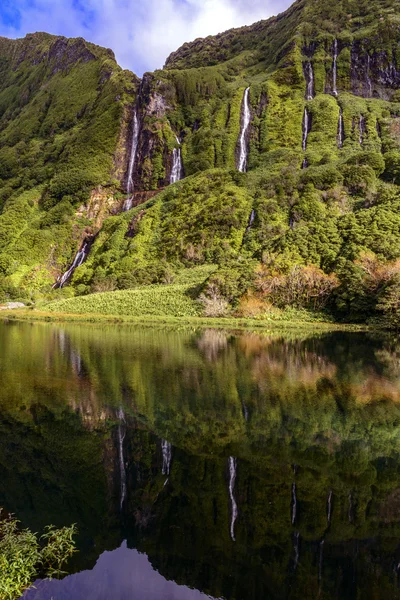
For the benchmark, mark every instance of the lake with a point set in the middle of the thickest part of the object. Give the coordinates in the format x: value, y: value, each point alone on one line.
x: 201, y: 463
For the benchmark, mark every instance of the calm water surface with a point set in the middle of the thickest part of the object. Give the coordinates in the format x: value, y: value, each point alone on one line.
x: 206, y: 464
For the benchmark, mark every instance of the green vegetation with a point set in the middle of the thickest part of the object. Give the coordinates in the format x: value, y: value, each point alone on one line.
x: 311, y: 227
x: 24, y: 557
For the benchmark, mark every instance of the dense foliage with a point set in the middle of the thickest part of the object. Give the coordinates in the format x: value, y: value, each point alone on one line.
x: 305, y: 215
x: 24, y: 557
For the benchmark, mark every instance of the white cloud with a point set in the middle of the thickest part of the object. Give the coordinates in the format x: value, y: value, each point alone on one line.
x: 142, y: 33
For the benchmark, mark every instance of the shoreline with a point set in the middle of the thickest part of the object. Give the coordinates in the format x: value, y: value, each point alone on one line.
x: 154, y: 320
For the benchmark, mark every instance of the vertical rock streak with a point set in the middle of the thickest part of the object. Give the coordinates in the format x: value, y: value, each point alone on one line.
x: 329, y: 507
x: 232, y: 480
x: 294, y: 504
x: 335, y: 57
x: 361, y: 125
x: 245, y: 124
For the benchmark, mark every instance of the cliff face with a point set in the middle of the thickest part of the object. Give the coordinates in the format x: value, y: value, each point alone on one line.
x: 318, y: 129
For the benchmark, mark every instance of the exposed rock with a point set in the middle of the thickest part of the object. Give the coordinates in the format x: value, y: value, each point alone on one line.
x: 12, y: 305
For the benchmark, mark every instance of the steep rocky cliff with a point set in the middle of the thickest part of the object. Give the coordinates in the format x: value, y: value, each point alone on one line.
x: 319, y: 128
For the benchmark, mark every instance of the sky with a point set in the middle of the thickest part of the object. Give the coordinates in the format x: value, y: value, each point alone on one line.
x: 142, y: 33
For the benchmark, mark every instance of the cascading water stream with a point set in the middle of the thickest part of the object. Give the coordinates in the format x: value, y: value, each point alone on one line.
x: 251, y: 220
x: 329, y: 507
x: 232, y: 478
x: 294, y: 503
x: 361, y: 125
x: 166, y: 449
x: 245, y: 124
x: 309, y: 77
x: 132, y: 160
x: 335, y: 57
x: 176, y: 171
x: 306, y: 131
x: 79, y: 259
x: 121, y: 438
x: 341, y: 130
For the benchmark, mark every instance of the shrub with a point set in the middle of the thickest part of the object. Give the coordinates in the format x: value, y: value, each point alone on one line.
x: 24, y: 556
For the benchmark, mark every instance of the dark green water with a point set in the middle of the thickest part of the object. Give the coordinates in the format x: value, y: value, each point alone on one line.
x: 149, y: 439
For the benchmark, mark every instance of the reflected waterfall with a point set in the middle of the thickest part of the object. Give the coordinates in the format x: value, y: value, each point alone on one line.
x: 121, y: 437
x: 232, y: 480
x: 166, y: 449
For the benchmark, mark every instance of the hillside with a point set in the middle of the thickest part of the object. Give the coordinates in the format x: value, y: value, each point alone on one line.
x: 271, y: 152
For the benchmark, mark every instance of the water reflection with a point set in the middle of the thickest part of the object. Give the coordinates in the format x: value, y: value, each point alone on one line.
x: 124, y: 573
x: 243, y: 465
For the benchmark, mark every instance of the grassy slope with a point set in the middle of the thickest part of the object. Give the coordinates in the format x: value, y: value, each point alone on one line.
x: 61, y: 103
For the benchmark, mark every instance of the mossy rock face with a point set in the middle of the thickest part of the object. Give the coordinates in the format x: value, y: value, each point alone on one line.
x: 304, y: 199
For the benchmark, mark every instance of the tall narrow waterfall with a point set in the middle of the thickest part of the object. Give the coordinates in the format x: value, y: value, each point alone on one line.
x: 335, y: 57
x: 306, y: 131
x: 341, y: 129
x: 329, y: 507
x: 244, y: 127
x: 121, y: 437
x: 361, y: 125
x: 309, y: 77
x: 79, y: 259
x: 134, y: 147
x: 294, y: 504
x: 176, y: 171
x: 166, y: 448
x: 232, y: 479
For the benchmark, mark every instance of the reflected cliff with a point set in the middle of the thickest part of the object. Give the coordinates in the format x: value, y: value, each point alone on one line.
x: 243, y: 465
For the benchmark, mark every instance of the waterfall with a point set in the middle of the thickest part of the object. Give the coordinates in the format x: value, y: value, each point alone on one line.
x: 121, y: 437
x: 244, y: 127
x: 341, y: 129
x: 232, y: 479
x: 176, y: 171
x: 294, y: 504
x: 335, y: 57
x: 361, y: 125
x: 306, y: 128
x: 134, y: 147
x: 296, y: 549
x: 166, y: 448
x: 309, y: 76
x: 329, y: 508
x: 306, y: 131
x: 245, y: 411
x: 79, y: 259
x: 251, y: 220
